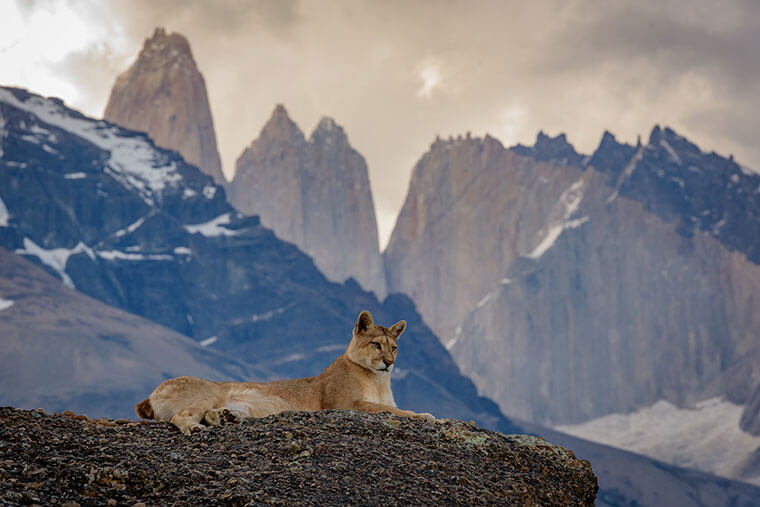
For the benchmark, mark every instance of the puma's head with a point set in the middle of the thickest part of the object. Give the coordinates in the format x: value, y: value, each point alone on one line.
x: 374, y: 347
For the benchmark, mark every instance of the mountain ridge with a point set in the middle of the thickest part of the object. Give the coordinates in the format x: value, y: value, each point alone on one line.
x: 158, y: 239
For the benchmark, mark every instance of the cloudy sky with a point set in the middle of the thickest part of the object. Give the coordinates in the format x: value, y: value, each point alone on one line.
x: 395, y: 74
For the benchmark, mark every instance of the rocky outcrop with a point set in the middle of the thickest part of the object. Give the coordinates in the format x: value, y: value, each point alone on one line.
x: 164, y: 94
x: 291, y: 458
x: 551, y: 149
x: 134, y: 226
x: 314, y: 193
x: 625, y: 281
x: 472, y: 208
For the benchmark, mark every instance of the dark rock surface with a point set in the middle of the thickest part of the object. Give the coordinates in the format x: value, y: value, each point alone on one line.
x: 330, y: 457
x: 551, y: 149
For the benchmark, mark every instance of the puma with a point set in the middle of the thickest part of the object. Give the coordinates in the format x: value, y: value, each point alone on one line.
x: 360, y: 379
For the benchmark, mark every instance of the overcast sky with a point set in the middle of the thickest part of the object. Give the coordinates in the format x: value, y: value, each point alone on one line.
x: 395, y: 74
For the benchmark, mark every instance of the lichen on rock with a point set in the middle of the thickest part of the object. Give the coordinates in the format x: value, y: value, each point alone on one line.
x: 335, y: 457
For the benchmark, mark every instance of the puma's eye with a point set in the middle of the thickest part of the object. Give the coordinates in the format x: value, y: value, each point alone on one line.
x: 394, y: 348
x: 377, y: 345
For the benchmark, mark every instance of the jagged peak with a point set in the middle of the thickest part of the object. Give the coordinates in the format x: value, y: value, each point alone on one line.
x: 677, y: 147
x: 327, y: 124
x: 557, y: 142
x: 655, y: 135
x: 541, y: 137
x: 280, y: 117
x: 550, y: 149
x: 610, y: 141
x: 608, y: 137
x: 460, y: 140
x: 328, y: 129
x: 171, y: 44
x: 280, y: 125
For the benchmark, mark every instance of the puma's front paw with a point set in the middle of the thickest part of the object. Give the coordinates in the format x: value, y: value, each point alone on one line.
x: 212, y: 417
x: 230, y: 417
x: 219, y: 416
x: 191, y: 428
x: 424, y: 416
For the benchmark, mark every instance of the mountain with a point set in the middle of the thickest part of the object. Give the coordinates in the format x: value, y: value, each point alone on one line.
x: 458, y: 227
x: 314, y: 193
x: 589, y: 289
x: 62, y: 349
x: 163, y: 93
x: 134, y: 226
x: 103, y: 210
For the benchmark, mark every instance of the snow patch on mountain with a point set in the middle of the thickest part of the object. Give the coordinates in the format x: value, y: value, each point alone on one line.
x: 626, y: 173
x: 125, y: 256
x: 56, y: 258
x: 209, y: 191
x: 4, y: 215
x: 134, y: 161
x: 568, y: 204
x: 268, y: 315
x: 671, y: 152
x: 2, y: 134
x: 706, y: 437
x: 5, y: 304
x: 208, y: 341
x: 214, y: 227
x: 131, y: 227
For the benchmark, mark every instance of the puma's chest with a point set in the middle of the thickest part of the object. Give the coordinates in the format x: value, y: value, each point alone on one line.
x: 381, y: 394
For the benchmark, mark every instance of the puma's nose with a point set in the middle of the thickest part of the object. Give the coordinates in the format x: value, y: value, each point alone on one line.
x: 387, y: 362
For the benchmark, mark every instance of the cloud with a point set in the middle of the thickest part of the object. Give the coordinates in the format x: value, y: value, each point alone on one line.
x: 395, y: 73
x: 429, y: 73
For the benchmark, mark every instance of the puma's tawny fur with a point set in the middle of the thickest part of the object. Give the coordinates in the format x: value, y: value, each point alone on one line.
x: 358, y: 380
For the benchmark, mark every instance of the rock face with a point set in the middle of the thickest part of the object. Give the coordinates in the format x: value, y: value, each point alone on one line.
x: 314, y: 193
x: 458, y: 231
x: 292, y: 458
x: 592, y: 289
x: 134, y: 226
x: 164, y: 94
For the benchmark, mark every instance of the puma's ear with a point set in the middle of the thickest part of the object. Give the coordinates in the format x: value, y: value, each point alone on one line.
x: 398, y: 328
x: 363, y: 322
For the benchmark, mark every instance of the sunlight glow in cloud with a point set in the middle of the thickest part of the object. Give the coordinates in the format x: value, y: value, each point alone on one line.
x: 34, y: 45
x: 510, y: 127
x: 430, y: 75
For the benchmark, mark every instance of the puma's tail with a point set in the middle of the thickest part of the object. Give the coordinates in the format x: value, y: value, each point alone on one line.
x: 144, y: 409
